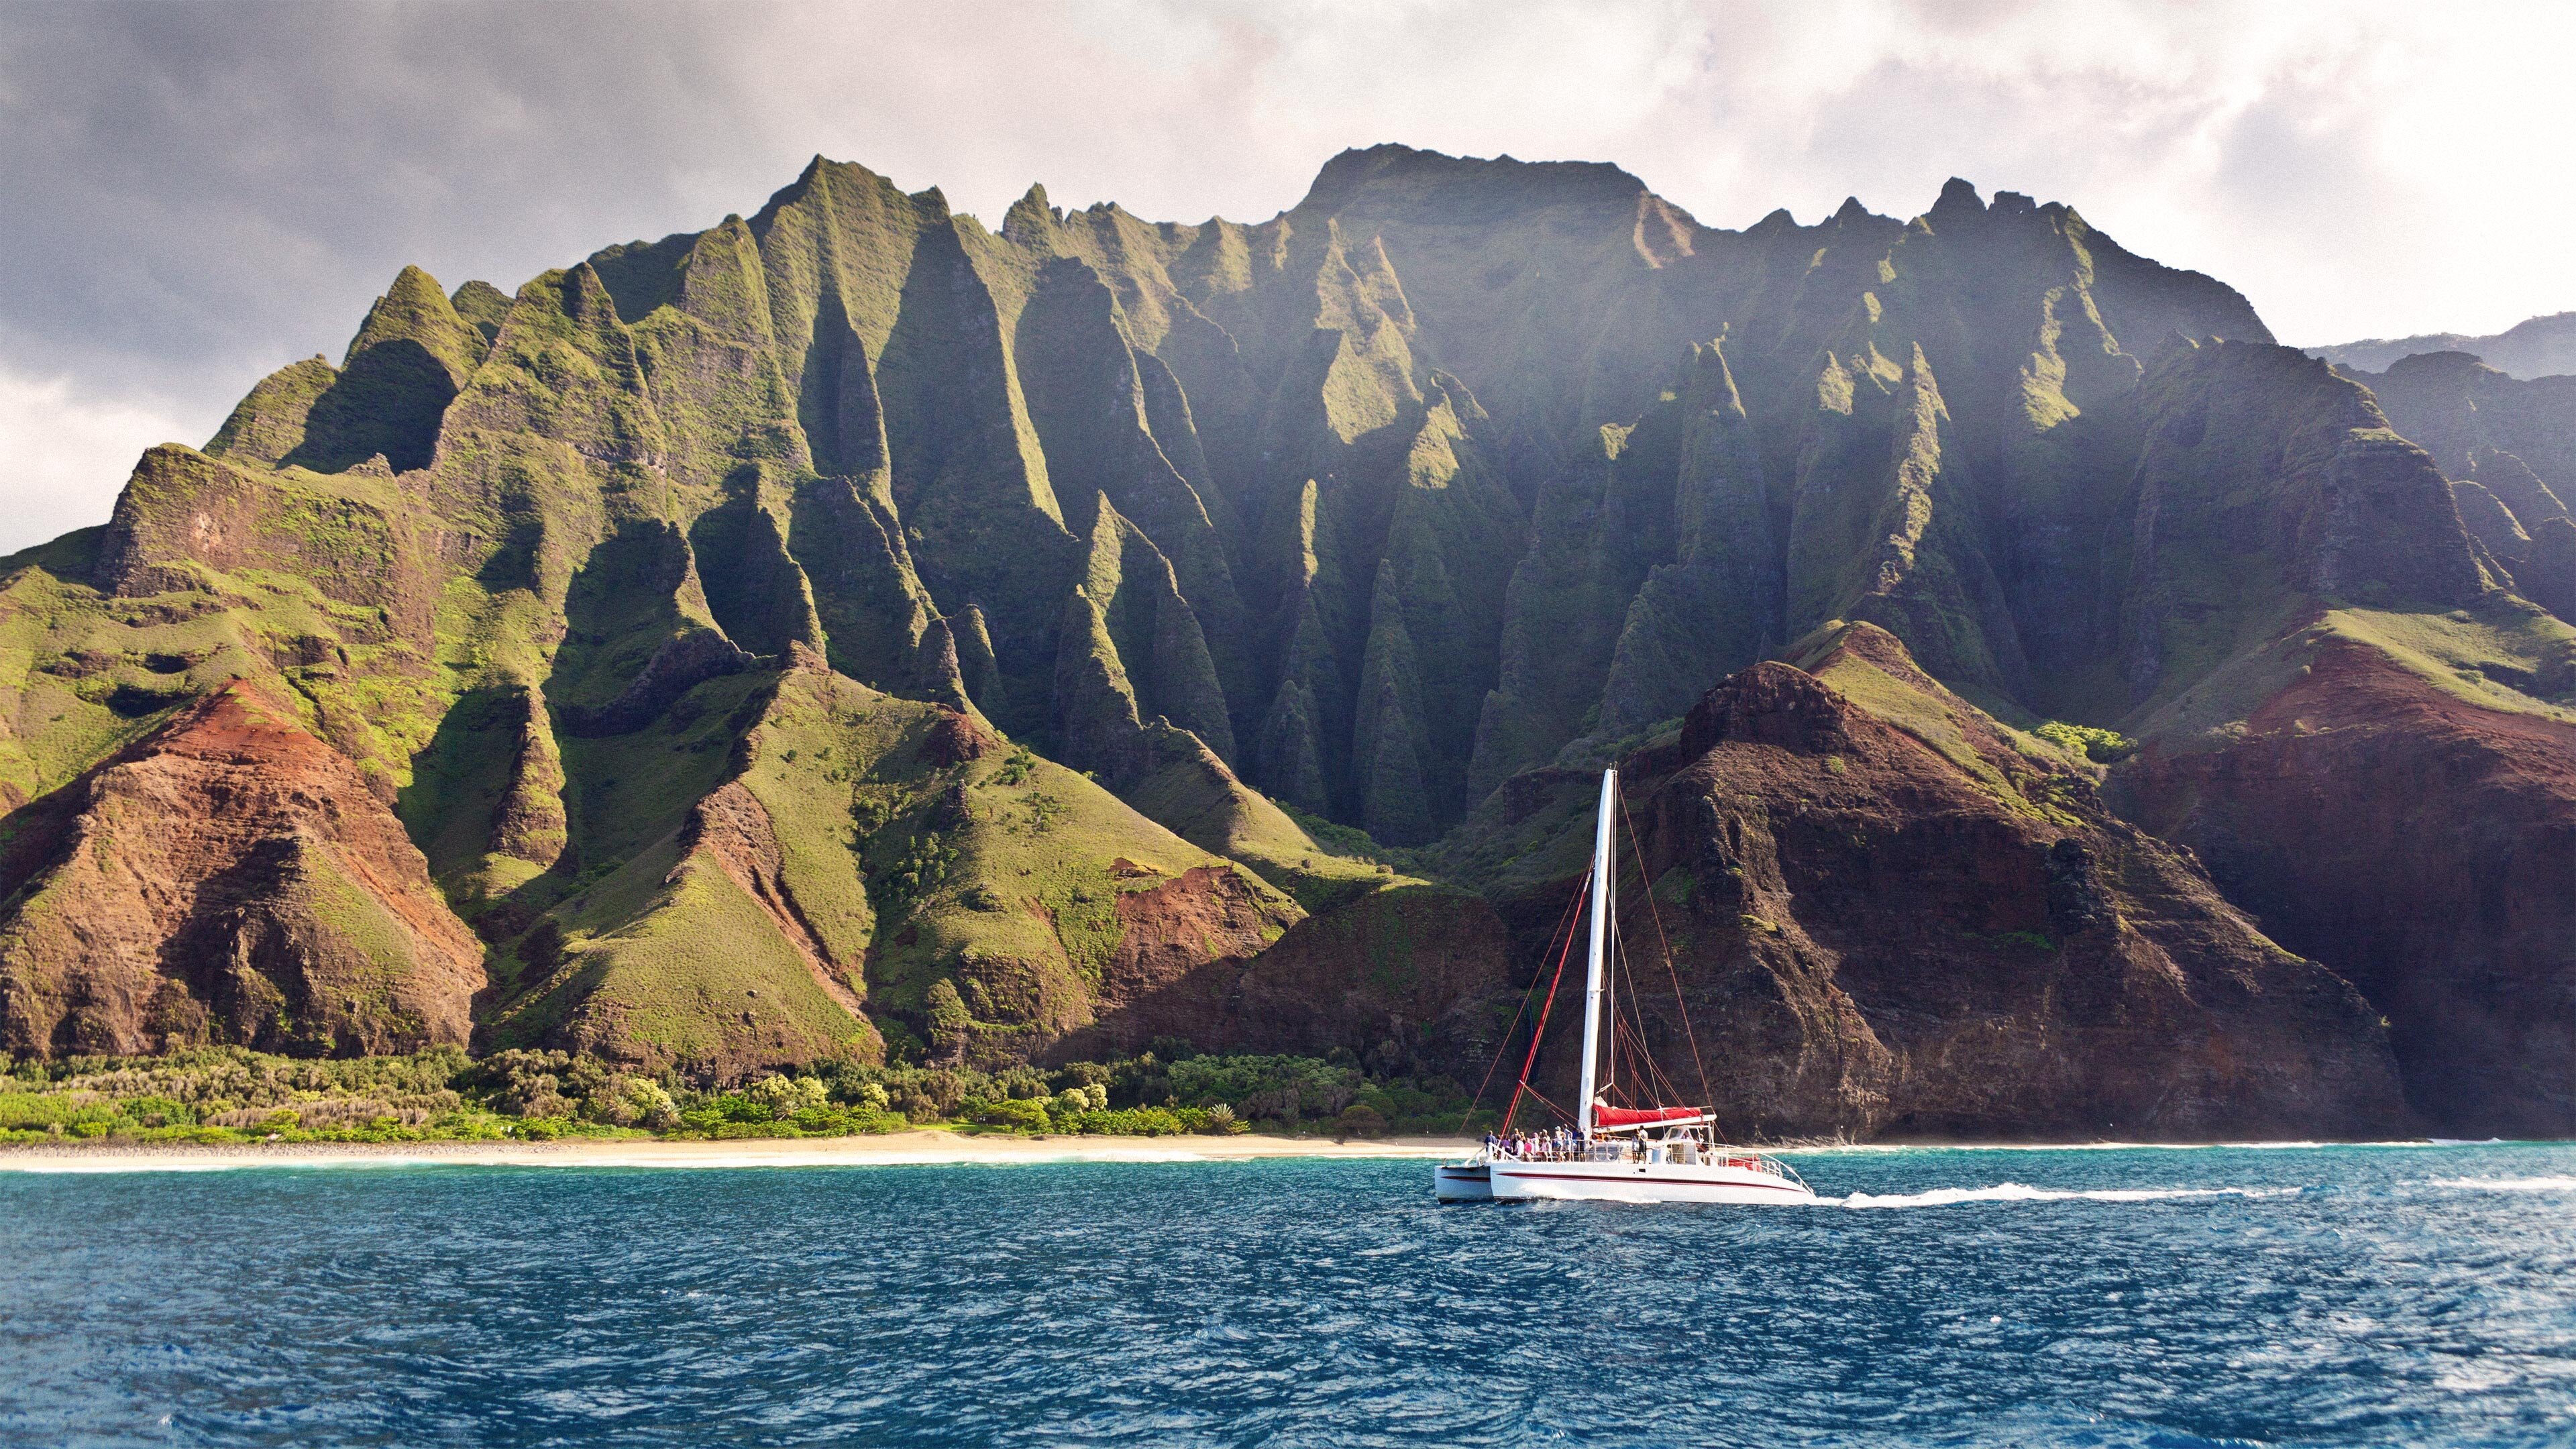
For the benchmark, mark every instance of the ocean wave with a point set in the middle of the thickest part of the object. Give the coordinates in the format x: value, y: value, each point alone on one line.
x: 69, y: 1164
x: 2507, y: 1184
x: 2022, y: 1192
x: 2282, y: 1145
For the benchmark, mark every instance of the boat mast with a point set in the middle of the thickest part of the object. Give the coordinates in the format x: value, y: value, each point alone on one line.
x: 1595, y: 976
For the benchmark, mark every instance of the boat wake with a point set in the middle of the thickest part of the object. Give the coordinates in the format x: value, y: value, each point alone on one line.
x: 2508, y: 1184
x: 2020, y: 1192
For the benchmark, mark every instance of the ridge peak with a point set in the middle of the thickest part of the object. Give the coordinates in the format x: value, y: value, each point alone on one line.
x: 1957, y: 196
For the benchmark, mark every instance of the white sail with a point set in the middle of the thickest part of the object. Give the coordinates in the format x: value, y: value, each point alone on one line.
x: 1644, y: 1154
x: 1595, y: 975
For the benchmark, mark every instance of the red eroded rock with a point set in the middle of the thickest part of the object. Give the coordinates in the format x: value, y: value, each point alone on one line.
x: 1875, y: 936
x: 230, y: 878
x: 2421, y: 845
x: 733, y: 828
x: 956, y: 737
x: 1411, y: 965
x: 1418, y: 966
x: 1169, y: 929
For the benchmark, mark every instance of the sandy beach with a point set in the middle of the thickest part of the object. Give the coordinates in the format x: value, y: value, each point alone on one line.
x: 892, y: 1150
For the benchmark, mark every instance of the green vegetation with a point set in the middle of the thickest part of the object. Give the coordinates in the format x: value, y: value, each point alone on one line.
x: 231, y: 1095
x: 833, y: 636
x: 2035, y: 940
x: 919, y: 870
x: 1173, y: 1088
x: 2501, y: 653
x: 2101, y: 746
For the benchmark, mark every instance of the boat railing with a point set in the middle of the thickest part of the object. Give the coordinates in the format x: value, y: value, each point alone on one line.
x: 1752, y: 1161
x: 1742, y: 1158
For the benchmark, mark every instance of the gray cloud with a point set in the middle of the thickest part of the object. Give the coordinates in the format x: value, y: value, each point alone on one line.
x: 199, y: 193
x: 214, y: 186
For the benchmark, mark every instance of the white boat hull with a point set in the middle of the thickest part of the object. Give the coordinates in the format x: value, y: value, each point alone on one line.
x: 1650, y: 1151
x: 1462, y: 1182
x: 1643, y: 1182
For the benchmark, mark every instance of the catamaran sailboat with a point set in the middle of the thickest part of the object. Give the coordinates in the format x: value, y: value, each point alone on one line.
x: 1646, y: 1154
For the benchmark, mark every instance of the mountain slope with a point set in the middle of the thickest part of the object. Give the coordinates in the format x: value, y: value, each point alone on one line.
x: 227, y: 877
x: 997, y: 638
x: 2417, y: 839
x: 1887, y: 913
x: 2532, y: 348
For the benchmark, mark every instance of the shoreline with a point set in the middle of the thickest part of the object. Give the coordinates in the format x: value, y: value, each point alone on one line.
x: 926, y: 1148
x: 934, y: 1147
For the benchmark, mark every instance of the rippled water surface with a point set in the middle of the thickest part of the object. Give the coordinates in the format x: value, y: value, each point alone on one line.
x: 2359, y: 1295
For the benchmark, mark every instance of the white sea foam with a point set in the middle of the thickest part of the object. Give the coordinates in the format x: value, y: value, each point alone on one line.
x: 69, y: 1163
x: 73, y: 1165
x: 1929, y: 1147
x: 2508, y: 1184
x: 2474, y: 1378
x: 2021, y: 1192
x: 838, y: 1152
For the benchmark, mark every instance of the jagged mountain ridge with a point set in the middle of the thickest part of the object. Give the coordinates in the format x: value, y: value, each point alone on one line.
x: 2509, y: 447
x: 2534, y: 347
x: 1454, y: 471
x: 1295, y: 504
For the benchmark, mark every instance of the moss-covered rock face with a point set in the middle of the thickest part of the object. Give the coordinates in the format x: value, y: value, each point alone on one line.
x: 1886, y: 912
x: 851, y: 629
x: 226, y: 878
x: 2509, y: 446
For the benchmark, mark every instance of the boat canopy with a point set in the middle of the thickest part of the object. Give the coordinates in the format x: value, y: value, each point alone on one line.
x: 1611, y: 1117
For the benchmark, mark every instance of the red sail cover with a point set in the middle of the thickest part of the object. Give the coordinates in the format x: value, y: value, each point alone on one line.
x: 1634, y: 1116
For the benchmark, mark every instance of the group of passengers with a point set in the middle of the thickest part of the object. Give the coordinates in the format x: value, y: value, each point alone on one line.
x: 1560, y: 1145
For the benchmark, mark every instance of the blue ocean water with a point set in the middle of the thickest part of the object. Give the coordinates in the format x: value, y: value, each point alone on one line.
x: 2336, y: 1295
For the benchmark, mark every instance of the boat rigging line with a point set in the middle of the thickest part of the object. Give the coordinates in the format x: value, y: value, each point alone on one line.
x: 1664, y: 945
x: 1563, y: 923
x: 1538, y: 1033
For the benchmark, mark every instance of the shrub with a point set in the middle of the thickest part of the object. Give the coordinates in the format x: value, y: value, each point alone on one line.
x: 949, y: 1021
x: 53, y: 1109
x: 2101, y: 746
x: 1283, y: 1088
x: 633, y: 1102
x: 1361, y: 1120
x: 921, y: 869
x: 928, y: 1094
x: 784, y: 1097
x: 151, y: 1111
x: 359, y: 1114
x: 217, y: 1094
x: 1140, y: 1122
x: 259, y: 1119
x: 1017, y: 1113
x: 530, y: 1084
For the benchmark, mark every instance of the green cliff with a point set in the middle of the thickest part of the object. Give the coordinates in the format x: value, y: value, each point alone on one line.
x: 851, y: 630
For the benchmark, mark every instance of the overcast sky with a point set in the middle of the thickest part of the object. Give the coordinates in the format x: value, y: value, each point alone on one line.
x: 194, y: 194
